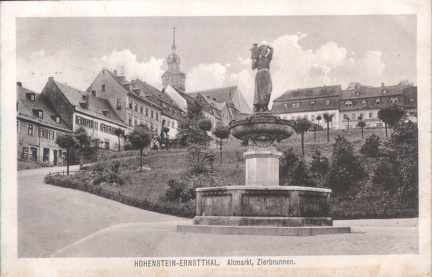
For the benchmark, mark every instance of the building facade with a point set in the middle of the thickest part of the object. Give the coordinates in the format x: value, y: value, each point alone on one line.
x: 82, y: 109
x: 129, y: 103
x: 310, y: 103
x: 38, y: 125
x: 171, y: 113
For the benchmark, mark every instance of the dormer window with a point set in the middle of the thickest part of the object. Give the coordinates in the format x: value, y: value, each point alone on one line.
x: 378, y: 101
x: 327, y: 102
x: 357, y: 93
x: 38, y: 113
x: 285, y: 106
x: 56, y: 118
x: 103, y: 87
x: 31, y: 96
x: 93, y: 92
x: 364, y: 103
x: 106, y: 113
x: 119, y: 104
x: 384, y: 91
x: 348, y: 104
x: 394, y: 100
x: 312, y: 103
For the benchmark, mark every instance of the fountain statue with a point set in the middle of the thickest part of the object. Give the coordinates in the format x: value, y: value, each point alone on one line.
x: 262, y: 205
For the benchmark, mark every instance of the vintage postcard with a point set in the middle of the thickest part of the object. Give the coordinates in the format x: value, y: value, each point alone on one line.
x: 222, y: 138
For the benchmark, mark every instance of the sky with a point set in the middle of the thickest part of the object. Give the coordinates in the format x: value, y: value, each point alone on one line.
x: 309, y: 51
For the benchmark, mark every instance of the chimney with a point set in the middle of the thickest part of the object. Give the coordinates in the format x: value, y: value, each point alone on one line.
x: 382, y: 85
x: 357, y: 86
x: 127, y: 87
x: 51, y: 79
x: 115, y: 72
x: 163, y: 91
x: 19, y: 84
x: 214, y: 99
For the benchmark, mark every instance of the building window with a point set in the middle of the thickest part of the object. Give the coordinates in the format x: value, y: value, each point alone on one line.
x: 130, y: 121
x: 146, y: 111
x: 107, y: 144
x: 411, y: 100
x: 130, y: 104
x: 136, y: 122
x: 40, y: 114
x: 378, y: 101
x: 172, y: 124
x: 136, y: 107
x: 119, y: 102
x: 93, y: 92
x: 102, y: 127
x: 348, y: 104
x: 327, y: 102
x: 103, y: 87
x: 285, y: 106
x: 353, y: 116
x: 364, y: 103
x: 306, y: 117
x: 30, y: 129
x: 370, y: 114
x: 312, y: 103
x: 141, y: 109
x: 78, y: 120
x: 151, y: 114
x: 95, y: 125
x: 157, y: 116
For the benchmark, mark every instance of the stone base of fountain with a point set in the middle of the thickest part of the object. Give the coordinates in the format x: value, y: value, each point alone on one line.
x: 262, y: 207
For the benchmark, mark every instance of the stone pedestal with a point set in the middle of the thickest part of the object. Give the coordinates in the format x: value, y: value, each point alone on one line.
x: 262, y: 207
x: 262, y: 166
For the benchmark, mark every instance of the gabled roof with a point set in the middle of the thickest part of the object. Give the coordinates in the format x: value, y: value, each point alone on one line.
x: 96, y: 105
x: 226, y: 94
x: 307, y: 93
x: 367, y: 92
x: 27, y: 107
x: 148, y: 89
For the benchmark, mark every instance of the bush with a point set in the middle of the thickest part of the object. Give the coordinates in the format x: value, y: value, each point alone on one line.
x: 198, y: 159
x: 371, y: 147
x: 301, y: 175
x: 287, y: 165
x: 107, y: 173
x: 346, y: 169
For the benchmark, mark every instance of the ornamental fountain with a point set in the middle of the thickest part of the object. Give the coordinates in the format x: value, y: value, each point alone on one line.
x: 262, y: 206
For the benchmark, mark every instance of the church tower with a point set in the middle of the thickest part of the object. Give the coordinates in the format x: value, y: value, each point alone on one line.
x: 173, y: 76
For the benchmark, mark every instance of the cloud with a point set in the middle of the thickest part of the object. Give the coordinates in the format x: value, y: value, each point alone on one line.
x: 207, y: 76
x: 126, y: 61
x: 37, y: 54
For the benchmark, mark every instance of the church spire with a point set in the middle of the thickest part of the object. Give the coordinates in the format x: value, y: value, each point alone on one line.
x: 174, y: 47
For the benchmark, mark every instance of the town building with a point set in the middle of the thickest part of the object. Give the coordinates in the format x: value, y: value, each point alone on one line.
x: 130, y: 103
x: 310, y: 103
x: 231, y: 95
x: 173, y: 76
x: 366, y: 102
x: 171, y: 113
x: 38, y: 125
x: 82, y: 109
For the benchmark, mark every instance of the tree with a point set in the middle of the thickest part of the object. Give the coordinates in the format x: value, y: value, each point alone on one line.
x: 67, y: 141
x: 301, y: 126
x: 315, y: 127
x: 221, y: 132
x: 371, y: 147
x: 390, y: 116
x: 348, y: 118
x: 346, y: 168
x: 328, y: 118
x: 83, y: 140
x: 205, y: 125
x: 165, y: 130
x: 318, y: 118
x: 140, y: 138
x: 361, y: 124
x: 406, y: 83
x: 319, y: 166
x: 118, y: 132
x: 287, y: 165
x: 189, y: 132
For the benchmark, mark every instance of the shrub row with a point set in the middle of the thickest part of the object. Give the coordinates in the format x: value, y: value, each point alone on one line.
x: 176, y: 209
x: 374, y: 213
